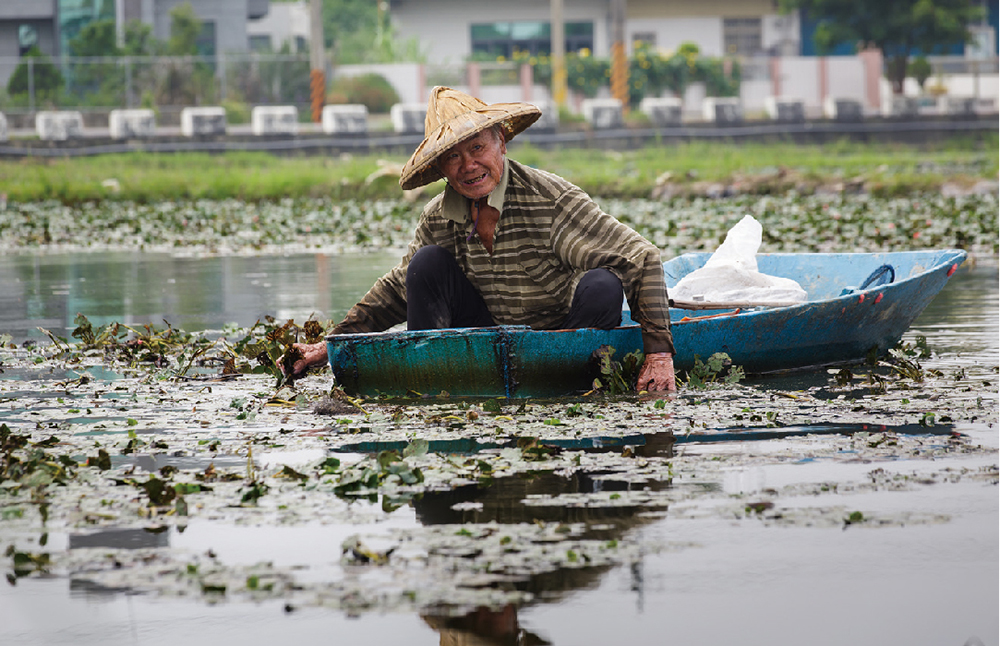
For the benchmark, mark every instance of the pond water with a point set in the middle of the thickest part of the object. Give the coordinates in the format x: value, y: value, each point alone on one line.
x: 703, y: 570
x: 191, y: 293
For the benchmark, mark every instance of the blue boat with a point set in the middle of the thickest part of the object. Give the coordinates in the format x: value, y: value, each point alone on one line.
x: 857, y: 302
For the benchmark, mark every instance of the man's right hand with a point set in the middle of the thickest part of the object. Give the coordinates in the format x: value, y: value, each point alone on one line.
x: 313, y: 354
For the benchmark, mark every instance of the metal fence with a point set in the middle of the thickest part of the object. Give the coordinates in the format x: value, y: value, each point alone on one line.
x: 139, y: 81
x: 239, y: 81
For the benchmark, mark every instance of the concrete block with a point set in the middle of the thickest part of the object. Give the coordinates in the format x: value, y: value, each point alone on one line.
x: 345, y: 119
x: 664, y: 112
x: 785, y: 110
x: 723, y: 111
x: 957, y: 106
x: 408, y: 118
x: 603, y: 113
x: 274, y: 120
x: 203, y: 121
x: 132, y: 124
x: 3, y: 127
x: 58, y: 125
x: 549, y: 121
x: 843, y: 109
x: 895, y: 105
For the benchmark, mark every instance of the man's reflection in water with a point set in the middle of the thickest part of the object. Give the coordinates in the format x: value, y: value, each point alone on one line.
x: 502, y: 503
x: 484, y: 627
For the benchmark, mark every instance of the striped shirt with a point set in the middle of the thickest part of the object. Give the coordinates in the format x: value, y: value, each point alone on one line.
x: 549, y: 234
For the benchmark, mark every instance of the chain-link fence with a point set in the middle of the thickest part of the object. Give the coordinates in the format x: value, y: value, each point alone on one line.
x: 34, y: 83
x: 238, y: 82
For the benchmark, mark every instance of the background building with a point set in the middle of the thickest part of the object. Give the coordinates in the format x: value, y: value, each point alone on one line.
x: 285, y: 22
x: 452, y: 30
x: 51, y: 24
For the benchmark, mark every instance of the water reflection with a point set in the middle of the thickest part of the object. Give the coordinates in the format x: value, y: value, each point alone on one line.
x: 48, y: 290
x: 207, y: 293
x: 126, y: 539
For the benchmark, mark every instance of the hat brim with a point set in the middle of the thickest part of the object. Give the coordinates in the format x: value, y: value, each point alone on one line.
x: 514, y: 118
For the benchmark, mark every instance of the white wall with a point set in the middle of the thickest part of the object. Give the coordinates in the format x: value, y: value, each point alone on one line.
x: 283, y: 22
x: 800, y: 80
x: 986, y: 86
x: 846, y: 76
x: 752, y: 96
x: 670, y: 33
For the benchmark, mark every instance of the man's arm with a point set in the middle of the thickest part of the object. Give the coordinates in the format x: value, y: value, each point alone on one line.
x: 382, y: 307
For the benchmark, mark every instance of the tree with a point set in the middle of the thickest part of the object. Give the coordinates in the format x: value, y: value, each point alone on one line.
x: 358, y: 31
x: 45, y: 79
x: 139, y: 41
x: 897, y: 27
x: 95, y: 81
x: 185, y: 82
x: 184, y: 30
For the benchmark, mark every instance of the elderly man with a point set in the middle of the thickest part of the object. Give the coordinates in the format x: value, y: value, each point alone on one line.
x: 506, y: 244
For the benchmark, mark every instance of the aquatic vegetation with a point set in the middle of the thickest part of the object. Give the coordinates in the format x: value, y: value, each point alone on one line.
x: 515, y: 497
x: 441, y: 505
x: 616, y: 377
x: 718, y: 368
x: 791, y: 222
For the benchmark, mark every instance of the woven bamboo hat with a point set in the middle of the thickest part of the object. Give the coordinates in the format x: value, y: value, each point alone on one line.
x: 453, y: 117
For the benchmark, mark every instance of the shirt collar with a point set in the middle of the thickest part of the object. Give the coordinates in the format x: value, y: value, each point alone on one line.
x: 455, y: 206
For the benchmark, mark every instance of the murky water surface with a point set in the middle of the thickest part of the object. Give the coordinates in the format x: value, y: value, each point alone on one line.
x: 48, y: 290
x: 841, y: 517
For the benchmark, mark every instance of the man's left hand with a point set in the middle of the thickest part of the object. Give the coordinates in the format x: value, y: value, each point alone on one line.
x: 657, y: 373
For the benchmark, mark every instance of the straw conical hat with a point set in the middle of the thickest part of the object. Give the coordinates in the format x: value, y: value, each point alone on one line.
x: 453, y: 117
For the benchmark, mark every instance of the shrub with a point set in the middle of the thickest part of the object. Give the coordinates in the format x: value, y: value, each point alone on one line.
x: 370, y: 90
x: 920, y: 70
x: 236, y: 111
x: 47, y: 81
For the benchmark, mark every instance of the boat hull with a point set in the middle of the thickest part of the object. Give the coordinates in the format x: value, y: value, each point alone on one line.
x: 839, y: 324
x: 828, y: 329
x: 505, y: 361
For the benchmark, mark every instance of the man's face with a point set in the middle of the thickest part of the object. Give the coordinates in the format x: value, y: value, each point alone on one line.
x: 475, y: 166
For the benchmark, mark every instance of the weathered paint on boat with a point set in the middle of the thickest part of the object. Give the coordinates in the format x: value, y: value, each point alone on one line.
x: 512, y: 361
x: 831, y: 327
x: 506, y: 361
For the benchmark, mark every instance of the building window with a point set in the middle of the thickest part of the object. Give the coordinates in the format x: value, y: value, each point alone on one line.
x: 260, y: 43
x: 741, y: 36
x: 504, y: 38
x: 74, y: 15
x: 27, y: 37
x: 206, y: 39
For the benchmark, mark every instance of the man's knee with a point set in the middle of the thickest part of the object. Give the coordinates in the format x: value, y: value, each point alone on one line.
x: 597, y: 301
x: 429, y: 260
x: 603, y: 289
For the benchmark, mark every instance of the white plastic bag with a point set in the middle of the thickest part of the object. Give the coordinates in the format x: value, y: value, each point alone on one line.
x: 731, y: 276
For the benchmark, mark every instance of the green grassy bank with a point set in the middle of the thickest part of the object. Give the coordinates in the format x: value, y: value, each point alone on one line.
x: 687, y: 168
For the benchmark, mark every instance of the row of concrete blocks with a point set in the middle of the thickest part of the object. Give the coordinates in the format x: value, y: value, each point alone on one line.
x: 665, y: 112
x: 196, y: 122
x: 409, y: 118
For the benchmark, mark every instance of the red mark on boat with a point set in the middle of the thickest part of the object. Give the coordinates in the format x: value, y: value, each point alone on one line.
x: 951, y: 270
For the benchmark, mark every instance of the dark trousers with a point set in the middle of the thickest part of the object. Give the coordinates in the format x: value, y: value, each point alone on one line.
x: 438, y: 295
